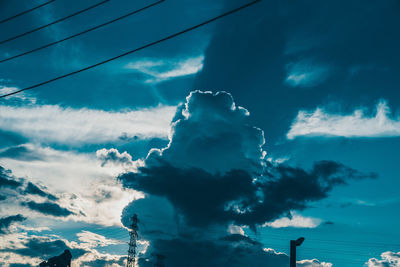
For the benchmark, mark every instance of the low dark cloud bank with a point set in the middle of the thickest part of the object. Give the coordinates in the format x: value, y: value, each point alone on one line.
x: 231, y: 251
x: 212, y: 174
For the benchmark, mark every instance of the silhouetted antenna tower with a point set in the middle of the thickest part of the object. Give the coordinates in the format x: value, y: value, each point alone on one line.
x: 132, y: 243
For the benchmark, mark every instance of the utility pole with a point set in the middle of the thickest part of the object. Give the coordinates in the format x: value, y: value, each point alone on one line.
x: 132, y: 242
x: 293, y: 245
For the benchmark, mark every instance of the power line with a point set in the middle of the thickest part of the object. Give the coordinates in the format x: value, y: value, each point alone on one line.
x: 340, y: 242
x: 53, y: 22
x: 136, y: 49
x: 83, y: 32
x: 26, y: 11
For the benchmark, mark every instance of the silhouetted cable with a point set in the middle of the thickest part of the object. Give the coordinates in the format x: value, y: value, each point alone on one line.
x: 339, y: 242
x: 26, y: 11
x: 83, y: 32
x: 136, y: 49
x: 54, y: 22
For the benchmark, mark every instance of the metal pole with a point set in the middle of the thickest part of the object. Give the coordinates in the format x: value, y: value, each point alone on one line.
x: 293, y: 245
x: 292, y: 253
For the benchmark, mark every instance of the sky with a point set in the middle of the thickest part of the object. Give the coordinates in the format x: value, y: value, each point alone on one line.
x: 276, y: 122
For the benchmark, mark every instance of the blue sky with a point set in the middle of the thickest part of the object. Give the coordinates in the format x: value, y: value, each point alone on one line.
x: 279, y: 121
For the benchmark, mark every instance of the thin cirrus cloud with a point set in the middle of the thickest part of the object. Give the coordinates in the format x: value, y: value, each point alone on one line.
x: 56, y: 124
x: 355, y: 125
x: 158, y: 70
x: 21, y: 97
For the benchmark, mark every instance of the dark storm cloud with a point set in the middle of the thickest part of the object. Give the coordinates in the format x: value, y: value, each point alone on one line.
x: 35, y: 190
x: 359, y: 57
x: 5, y: 222
x: 231, y: 251
x: 48, y: 208
x: 199, y: 195
x: 204, y: 198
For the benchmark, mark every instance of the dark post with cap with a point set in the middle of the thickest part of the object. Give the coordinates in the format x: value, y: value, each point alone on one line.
x: 293, y: 245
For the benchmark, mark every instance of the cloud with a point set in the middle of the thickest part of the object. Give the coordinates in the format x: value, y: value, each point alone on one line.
x: 5, y: 222
x: 321, y: 123
x: 113, y: 156
x: 21, y: 98
x: 48, y: 208
x: 35, y: 190
x: 95, y: 240
x: 211, y: 133
x: 306, y: 74
x: 45, y: 247
x: 28, y: 196
x: 20, y: 248
x: 313, y: 263
x: 56, y: 124
x: 99, y: 198
x: 235, y: 196
x: 161, y: 69
x: 20, y: 151
x: 6, y: 180
x: 388, y: 259
x: 295, y: 220
x: 213, y: 177
x: 232, y: 251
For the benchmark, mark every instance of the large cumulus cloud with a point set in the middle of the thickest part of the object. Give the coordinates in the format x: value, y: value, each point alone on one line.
x: 213, y: 174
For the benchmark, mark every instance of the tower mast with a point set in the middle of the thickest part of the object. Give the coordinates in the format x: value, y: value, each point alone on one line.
x: 132, y: 242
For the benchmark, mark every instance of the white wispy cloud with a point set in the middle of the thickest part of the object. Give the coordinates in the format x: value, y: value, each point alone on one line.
x: 160, y: 70
x: 22, y: 97
x: 56, y: 124
x: 306, y: 74
x: 296, y: 221
x: 321, y: 123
